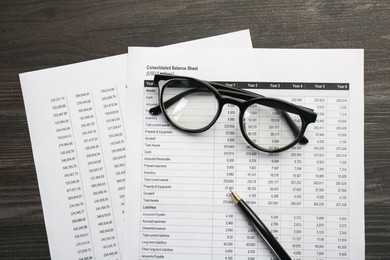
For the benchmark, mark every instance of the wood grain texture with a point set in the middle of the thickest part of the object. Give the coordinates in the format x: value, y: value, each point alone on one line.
x: 37, y: 34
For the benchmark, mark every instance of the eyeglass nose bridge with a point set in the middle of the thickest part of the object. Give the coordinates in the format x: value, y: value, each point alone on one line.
x: 231, y: 100
x: 226, y: 100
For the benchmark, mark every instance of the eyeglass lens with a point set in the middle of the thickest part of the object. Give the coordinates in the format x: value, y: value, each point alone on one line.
x: 190, y: 105
x: 196, y: 108
x: 268, y: 128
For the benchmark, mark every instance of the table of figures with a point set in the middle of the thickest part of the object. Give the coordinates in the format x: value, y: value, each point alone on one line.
x: 302, y: 194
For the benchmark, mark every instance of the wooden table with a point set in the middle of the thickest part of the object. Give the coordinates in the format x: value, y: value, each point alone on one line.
x: 41, y: 34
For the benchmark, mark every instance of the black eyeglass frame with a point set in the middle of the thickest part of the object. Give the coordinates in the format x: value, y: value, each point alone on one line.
x: 229, y: 95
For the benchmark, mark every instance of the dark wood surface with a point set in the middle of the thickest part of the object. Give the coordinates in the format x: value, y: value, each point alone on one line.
x: 36, y: 34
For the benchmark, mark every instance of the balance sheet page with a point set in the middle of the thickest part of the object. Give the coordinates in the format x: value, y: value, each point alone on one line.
x: 311, y: 197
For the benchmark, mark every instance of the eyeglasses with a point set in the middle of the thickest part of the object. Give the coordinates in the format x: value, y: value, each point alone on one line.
x: 268, y: 124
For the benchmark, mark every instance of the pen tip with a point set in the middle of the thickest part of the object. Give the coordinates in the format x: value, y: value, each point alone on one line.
x: 235, y: 196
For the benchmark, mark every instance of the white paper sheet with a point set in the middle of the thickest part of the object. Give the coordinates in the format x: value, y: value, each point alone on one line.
x: 75, y: 119
x: 311, y: 197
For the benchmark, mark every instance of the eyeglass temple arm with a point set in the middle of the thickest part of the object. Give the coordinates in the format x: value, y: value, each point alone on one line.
x: 242, y: 94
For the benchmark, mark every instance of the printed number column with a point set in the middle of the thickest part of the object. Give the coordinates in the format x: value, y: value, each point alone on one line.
x: 247, y: 159
x: 116, y: 135
x: 224, y: 236
x: 292, y: 235
x: 338, y: 152
x: 95, y: 169
x: 225, y: 155
x: 269, y: 180
x: 338, y: 237
x: 315, y: 237
x: 269, y: 163
x: 315, y: 155
x: 225, y: 160
x: 292, y: 171
x: 73, y: 181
